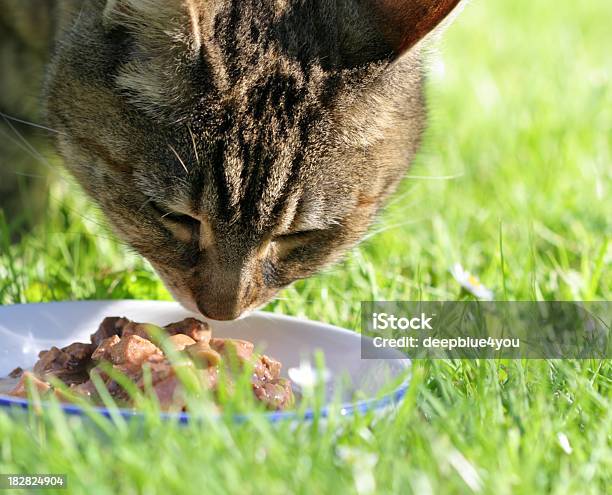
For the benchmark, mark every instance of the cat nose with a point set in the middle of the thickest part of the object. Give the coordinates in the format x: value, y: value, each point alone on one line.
x: 225, y: 290
x: 219, y: 313
x: 219, y: 310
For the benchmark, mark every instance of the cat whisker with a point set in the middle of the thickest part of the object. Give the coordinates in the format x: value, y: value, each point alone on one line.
x: 84, y: 234
x: 435, y: 177
x: 401, y: 196
x: 62, y: 202
x: 391, y: 227
x: 32, y: 176
x: 195, y: 148
x: 23, y: 144
x: 31, y: 124
x: 144, y: 204
x: 179, y: 159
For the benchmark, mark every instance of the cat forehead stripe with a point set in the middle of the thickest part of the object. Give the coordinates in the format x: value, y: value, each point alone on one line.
x: 261, y: 133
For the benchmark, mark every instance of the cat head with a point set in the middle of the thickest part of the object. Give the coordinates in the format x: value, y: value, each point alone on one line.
x: 240, y: 145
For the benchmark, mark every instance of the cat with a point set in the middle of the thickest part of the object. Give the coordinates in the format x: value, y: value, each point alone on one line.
x: 238, y: 145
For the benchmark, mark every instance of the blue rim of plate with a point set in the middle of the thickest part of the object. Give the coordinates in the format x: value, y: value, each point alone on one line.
x: 345, y: 410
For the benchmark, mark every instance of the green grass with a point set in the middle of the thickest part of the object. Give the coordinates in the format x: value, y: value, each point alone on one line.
x: 518, y: 190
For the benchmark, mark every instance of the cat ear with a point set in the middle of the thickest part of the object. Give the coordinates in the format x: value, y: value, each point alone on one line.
x: 154, y: 17
x: 109, y: 8
x: 404, y: 23
x: 165, y: 43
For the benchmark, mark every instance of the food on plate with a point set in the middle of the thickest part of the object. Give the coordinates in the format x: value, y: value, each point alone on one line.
x: 130, y: 348
x: 16, y: 373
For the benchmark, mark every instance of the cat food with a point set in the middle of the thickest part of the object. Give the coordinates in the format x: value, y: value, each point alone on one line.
x: 130, y: 347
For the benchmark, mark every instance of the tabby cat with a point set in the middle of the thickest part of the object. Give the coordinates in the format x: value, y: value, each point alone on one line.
x: 238, y: 145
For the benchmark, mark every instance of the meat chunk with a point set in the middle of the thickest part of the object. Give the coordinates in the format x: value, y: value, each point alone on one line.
x: 180, y: 341
x: 115, y: 388
x: 132, y: 351
x: 21, y: 389
x: 68, y: 364
x: 187, y: 331
x: 109, y: 327
x: 233, y: 347
x: 203, y: 355
x: 143, y: 330
x: 16, y: 373
x: 103, y: 352
x: 77, y: 356
x: 269, y: 388
x: 48, y: 361
x: 196, y: 329
x: 169, y: 393
x: 160, y: 370
x: 167, y: 385
x: 266, y: 369
x: 86, y: 389
x: 275, y: 395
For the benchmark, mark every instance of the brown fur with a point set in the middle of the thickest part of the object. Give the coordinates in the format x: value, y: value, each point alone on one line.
x: 240, y: 145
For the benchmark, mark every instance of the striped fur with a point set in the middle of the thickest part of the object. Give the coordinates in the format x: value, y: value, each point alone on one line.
x: 238, y: 145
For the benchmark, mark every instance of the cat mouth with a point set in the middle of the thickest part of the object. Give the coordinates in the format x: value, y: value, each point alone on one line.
x: 189, y: 304
x: 188, y: 298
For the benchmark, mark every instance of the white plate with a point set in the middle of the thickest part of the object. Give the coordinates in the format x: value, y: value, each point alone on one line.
x: 27, y: 329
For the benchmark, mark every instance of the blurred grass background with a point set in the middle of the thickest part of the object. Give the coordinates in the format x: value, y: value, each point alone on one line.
x: 513, y: 183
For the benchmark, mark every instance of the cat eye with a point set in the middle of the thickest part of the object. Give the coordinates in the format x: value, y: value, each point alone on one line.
x: 295, y: 236
x: 285, y: 244
x: 174, y: 216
